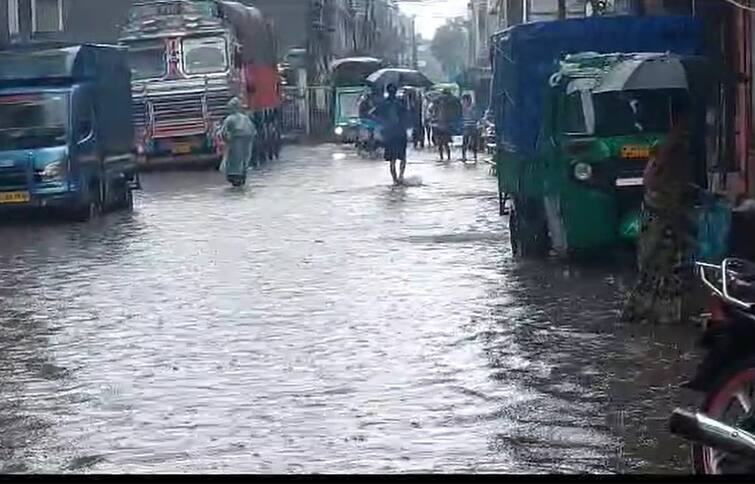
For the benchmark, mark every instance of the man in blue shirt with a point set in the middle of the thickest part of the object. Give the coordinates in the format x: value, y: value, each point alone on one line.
x: 392, y: 115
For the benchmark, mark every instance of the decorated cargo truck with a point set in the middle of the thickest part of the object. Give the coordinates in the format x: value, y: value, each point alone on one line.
x: 188, y: 58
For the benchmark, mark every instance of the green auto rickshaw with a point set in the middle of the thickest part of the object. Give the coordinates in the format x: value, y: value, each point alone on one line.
x: 348, y: 77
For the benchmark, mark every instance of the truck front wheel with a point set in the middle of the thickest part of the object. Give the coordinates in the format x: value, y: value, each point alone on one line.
x: 91, y: 203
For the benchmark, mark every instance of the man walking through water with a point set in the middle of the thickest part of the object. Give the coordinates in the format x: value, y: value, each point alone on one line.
x: 448, y: 109
x: 392, y: 115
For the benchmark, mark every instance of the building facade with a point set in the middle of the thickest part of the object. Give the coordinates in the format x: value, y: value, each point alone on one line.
x: 513, y: 12
x: 327, y: 29
x: 62, y: 20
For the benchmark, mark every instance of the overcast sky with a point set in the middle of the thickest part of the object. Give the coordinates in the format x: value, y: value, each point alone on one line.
x: 431, y: 14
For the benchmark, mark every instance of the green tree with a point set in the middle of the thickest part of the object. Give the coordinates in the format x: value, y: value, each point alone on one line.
x: 449, y: 46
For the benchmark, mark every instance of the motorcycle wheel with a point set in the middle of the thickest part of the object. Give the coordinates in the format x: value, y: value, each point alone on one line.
x: 732, y: 401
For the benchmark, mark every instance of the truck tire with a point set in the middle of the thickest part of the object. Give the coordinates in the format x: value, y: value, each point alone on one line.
x: 92, y: 204
x: 125, y: 197
x: 528, y: 229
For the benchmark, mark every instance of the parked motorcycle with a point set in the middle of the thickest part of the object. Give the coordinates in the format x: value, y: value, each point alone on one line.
x: 721, y: 432
x: 725, y: 440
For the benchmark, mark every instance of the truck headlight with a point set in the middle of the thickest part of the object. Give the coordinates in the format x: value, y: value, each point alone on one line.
x: 339, y: 131
x: 582, y: 171
x: 54, y: 171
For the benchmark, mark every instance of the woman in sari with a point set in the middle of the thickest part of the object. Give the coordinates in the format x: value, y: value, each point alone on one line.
x: 662, y: 293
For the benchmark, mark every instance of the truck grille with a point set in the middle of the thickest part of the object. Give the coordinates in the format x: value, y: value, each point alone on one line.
x: 139, y: 108
x: 217, y: 103
x: 13, y: 178
x: 180, y: 114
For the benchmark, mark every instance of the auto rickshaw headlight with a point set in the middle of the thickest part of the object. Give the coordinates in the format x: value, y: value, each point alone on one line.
x: 582, y: 171
x: 339, y: 131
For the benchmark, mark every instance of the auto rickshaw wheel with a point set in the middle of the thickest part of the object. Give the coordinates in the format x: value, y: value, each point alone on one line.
x: 528, y: 229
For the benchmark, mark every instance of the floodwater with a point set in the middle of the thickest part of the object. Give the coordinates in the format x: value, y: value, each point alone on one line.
x: 322, y: 321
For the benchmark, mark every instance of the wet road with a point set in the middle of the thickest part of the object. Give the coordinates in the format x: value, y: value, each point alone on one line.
x: 321, y: 321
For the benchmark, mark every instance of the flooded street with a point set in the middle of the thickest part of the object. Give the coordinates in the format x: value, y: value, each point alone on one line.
x: 322, y: 321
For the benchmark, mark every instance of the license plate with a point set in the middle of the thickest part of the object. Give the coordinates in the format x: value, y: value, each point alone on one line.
x: 182, y: 148
x: 629, y: 182
x: 14, y: 197
x: 633, y: 152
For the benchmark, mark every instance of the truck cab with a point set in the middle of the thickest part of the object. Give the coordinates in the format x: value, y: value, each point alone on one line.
x: 66, y: 138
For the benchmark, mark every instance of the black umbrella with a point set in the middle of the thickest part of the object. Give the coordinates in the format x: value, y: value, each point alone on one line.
x: 399, y: 78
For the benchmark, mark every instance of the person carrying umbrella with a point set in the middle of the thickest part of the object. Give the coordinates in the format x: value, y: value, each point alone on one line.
x: 392, y: 115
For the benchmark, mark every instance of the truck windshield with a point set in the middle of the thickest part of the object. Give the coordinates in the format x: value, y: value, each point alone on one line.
x: 147, y: 60
x: 632, y: 112
x: 205, y: 55
x: 32, y: 121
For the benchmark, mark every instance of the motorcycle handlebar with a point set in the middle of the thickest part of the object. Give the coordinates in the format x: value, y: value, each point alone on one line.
x: 723, y: 291
x: 704, y: 430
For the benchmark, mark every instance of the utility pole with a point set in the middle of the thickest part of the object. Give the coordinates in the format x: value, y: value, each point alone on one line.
x: 415, y: 64
x: 561, y: 9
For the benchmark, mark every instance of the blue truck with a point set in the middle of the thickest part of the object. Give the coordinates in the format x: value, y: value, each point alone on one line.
x: 66, y: 129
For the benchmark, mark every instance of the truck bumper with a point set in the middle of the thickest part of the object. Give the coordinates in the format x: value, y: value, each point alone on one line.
x: 147, y: 163
x: 49, y: 199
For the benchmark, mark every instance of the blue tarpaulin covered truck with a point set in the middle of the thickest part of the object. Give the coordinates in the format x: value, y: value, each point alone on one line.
x: 574, y: 129
x: 66, y: 130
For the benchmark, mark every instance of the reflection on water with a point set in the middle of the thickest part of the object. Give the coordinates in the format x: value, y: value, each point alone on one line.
x: 321, y: 320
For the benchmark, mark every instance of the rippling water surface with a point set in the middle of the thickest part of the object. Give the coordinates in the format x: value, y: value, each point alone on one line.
x: 321, y: 321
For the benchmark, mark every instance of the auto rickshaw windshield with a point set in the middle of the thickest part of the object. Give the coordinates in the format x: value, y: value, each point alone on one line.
x: 620, y: 113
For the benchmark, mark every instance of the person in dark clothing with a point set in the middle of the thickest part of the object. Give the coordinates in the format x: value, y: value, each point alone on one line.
x: 448, y: 111
x: 392, y: 115
x: 414, y: 105
x: 662, y: 294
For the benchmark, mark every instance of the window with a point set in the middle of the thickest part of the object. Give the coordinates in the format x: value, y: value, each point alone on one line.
x: 634, y: 112
x: 575, y: 119
x: 47, y: 15
x: 85, y: 124
x: 30, y: 121
x: 13, y: 21
x: 147, y: 60
x: 205, y: 55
